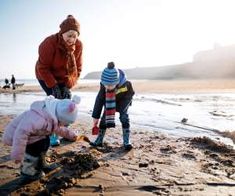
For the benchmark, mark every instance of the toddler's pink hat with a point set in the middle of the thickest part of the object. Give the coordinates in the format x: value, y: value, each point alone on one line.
x: 67, y: 110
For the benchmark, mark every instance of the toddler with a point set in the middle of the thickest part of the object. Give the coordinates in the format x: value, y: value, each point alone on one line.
x: 28, y: 134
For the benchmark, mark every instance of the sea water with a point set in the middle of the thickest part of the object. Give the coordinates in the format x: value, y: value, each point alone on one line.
x: 206, y: 113
x: 34, y: 82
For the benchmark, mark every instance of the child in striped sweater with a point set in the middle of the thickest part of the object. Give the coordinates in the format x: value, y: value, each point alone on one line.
x: 115, y: 95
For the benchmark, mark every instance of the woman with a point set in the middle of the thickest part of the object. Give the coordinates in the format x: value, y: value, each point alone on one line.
x: 60, y: 62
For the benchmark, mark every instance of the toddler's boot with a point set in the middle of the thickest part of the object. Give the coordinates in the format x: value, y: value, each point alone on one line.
x: 126, y: 139
x: 99, y: 139
x: 30, y: 169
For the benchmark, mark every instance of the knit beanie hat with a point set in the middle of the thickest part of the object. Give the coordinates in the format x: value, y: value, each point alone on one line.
x: 70, y: 23
x: 110, y: 75
x: 66, y: 110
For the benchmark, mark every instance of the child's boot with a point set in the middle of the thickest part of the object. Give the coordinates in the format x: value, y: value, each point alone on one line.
x: 30, y: 169
x: 54, y: 140
x: 99, y: 139
x: 126, y: 139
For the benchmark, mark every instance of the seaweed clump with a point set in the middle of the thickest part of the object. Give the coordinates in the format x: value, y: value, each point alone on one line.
x: 207, y: 143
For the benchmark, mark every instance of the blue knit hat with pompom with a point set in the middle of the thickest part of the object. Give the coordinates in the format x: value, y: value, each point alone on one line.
x: 110, y: 75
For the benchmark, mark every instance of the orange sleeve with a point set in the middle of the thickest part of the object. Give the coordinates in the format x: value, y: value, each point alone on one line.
x: 45, y: 61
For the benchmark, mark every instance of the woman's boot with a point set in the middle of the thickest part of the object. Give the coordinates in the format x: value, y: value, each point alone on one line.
x: 54, y: 140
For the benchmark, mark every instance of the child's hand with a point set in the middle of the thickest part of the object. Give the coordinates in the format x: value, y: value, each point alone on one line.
x: 83, y: 138
x: 95, y: 122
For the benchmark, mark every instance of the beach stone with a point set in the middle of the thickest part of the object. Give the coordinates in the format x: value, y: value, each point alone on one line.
x: 143, y: 164
x: 232, y: 176
x: 188, y: 156
x: 125, y: 174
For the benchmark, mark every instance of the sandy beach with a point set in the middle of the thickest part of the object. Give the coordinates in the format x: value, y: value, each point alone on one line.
x: 157, y: 165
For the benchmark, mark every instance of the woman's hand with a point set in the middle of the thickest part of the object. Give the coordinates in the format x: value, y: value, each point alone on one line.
x: 56, y: 92
x: 66, y: 93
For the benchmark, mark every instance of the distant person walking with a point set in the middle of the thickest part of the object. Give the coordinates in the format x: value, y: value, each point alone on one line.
x: 13, y: 81
x: 60, y: 62
x: 7, y: 85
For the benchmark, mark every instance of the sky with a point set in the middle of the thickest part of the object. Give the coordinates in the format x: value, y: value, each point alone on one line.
x: 132, y: 33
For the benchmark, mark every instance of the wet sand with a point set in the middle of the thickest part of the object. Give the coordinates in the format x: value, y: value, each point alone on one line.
x: 157, y: 165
